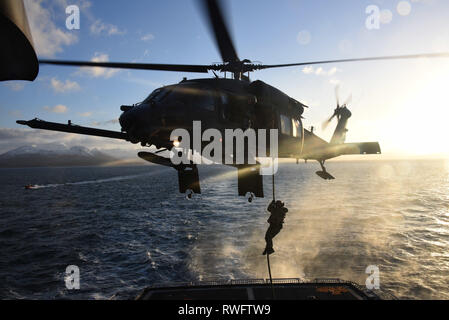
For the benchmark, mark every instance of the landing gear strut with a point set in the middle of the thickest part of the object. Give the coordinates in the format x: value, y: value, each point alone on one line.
x: 324, y: 174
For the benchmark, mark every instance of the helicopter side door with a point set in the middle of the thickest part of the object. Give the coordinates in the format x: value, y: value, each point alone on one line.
x: 291, y: 131
x: 291, y: 136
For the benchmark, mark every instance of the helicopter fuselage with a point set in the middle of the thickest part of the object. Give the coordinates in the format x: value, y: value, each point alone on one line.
x: 220, y: 104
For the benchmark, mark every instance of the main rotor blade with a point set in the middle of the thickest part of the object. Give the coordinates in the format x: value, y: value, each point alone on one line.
x: 137, y: 66
x: 214, y: 14
x: 411, y: 56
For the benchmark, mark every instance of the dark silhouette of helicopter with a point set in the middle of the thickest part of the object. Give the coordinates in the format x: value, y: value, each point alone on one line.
x: 223, y: 103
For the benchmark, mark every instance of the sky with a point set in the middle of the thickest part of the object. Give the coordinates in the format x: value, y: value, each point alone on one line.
x: 402, y: 104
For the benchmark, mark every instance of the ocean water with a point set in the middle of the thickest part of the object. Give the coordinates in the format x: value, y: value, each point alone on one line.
x: 128, y: 227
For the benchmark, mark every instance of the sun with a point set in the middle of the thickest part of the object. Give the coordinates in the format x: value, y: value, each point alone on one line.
x: 423, y: 123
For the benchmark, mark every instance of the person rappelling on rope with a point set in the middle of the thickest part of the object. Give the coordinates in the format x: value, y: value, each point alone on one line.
x: 276, y: 220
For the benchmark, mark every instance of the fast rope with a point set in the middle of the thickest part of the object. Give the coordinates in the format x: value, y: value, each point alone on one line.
x: 274, y: 200
x: 268, y: 255
x: 269, y: 272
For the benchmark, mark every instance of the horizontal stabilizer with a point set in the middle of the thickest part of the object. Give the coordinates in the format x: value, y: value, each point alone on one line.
x: 360, y: 148
x: 154, y: 158
x: 330, y: 151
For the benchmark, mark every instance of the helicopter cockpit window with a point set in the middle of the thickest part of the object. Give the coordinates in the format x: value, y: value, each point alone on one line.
x: 157, y: 95
x: 161, y: 95
x: 177, y: 97
x: 296, y: 125
x: 286, y: 125
x: 151, y: 96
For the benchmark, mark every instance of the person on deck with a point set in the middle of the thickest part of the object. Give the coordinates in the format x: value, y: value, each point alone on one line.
x: 276, y: 221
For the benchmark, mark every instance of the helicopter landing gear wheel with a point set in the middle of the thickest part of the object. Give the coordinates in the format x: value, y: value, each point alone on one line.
x: 189, y: 194
x: 324, y: 174
x: 249, y: 196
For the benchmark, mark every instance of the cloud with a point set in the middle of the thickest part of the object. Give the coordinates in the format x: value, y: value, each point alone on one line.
x: 101, y: 28
x: 67, y: 86
x: 108, y: 122
x: 85, y: 114
x: 48, y: 39
x: 15, y: 85
x: 82, y: 4
x: 57, y: 109
x: 320, y: 71
x: 147, y: 37
x: 98, y: 72
x: 308, y: 70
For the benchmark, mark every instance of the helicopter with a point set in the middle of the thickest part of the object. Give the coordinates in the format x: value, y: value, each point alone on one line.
x: 223, y: 103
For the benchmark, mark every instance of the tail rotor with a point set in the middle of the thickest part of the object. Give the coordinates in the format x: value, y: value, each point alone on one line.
x: 338, y: 109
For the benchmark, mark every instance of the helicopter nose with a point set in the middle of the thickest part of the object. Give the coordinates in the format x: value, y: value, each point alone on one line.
x: 126, y: 118
x: 132, y: 116
x: 152, y: 123
x: 135, y: 121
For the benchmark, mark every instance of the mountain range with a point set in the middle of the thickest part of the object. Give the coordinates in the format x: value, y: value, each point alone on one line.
x: 56, y: 154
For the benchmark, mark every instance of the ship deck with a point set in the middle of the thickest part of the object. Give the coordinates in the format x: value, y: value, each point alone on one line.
x: 261, y: 289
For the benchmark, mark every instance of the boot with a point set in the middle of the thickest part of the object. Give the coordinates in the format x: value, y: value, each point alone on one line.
x: 268, y: 251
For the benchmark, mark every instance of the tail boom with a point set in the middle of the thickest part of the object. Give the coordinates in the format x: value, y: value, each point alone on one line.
x: 335, y: 150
